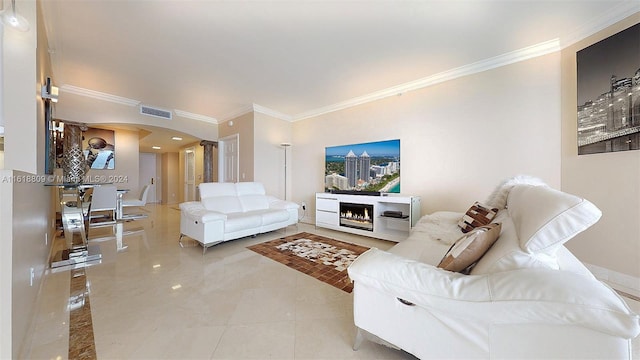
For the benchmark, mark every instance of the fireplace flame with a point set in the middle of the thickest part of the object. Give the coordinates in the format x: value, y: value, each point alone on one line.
x: 350, y: 215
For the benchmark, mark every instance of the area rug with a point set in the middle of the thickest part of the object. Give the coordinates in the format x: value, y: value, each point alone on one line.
x: 317, y: 256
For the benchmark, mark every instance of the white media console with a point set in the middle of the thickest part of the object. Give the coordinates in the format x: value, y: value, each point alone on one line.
x: 388, y: 217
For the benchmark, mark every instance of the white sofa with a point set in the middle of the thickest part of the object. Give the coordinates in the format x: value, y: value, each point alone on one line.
x: 527, y: 297
x: 228, y: 211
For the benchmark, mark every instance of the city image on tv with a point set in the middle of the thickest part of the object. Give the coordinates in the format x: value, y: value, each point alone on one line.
x: 373, y: 166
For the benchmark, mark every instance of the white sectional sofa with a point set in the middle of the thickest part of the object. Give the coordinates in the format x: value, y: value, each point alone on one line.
x: 527, y: 297
x: 230, y: 211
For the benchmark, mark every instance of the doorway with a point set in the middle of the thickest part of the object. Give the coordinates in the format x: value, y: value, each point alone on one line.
x: 149, y: 175
x: 190, y: 174
x: 228, y: 159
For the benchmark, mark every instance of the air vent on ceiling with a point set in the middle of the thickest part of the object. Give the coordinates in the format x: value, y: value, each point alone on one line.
x: 147, y: 110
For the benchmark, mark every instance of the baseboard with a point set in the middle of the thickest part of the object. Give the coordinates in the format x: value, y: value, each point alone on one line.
x: 619, y: 281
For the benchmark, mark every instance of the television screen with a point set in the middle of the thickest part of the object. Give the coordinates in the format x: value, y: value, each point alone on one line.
x: 373, y: 166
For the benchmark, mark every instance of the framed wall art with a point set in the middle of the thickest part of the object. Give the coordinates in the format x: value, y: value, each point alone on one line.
x: 98, y: 147
x: 608, y: 83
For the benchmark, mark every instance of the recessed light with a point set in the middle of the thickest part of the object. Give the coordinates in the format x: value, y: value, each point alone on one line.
x: 156, y: 147
x: 177, y: 138
x: 176, y: 287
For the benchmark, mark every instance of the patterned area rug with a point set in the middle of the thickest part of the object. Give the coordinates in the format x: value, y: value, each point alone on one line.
x: 323, y: 258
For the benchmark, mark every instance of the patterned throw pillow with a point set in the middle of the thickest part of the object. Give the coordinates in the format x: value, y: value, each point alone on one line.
x: 477, y: 215
x: 467, y: 250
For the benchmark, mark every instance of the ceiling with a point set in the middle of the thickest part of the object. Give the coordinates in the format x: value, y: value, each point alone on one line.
x: 153, y: 136
x: 218, y: 58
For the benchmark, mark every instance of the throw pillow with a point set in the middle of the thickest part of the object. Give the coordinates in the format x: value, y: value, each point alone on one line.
x: 467, y: 250
x: 477, y: 215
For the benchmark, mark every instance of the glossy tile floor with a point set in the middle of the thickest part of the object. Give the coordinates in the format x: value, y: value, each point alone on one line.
x: 152, y: 299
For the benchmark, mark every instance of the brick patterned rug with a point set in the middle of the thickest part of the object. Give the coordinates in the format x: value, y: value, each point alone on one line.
x: 323, y: 258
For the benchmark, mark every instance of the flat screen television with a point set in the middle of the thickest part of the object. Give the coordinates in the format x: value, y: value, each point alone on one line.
x: 367, y: 167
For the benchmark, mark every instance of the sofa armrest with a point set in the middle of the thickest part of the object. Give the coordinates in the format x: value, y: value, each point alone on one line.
x: 519, y: 296
x: 275, y: 203
x: 196, y: 211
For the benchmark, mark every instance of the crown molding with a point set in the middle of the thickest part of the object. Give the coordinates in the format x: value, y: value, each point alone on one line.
x: 71, y: 89
x: 234, y: 114
x: 606, y: 19
x: 255, y: 108
x: 273, y: 113
x: 193, y: 116
x: 529, y: 52
x: 98, y: 95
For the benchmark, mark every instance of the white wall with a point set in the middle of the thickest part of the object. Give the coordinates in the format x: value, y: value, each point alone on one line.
x: 6, y: 266
x: 25, y: 207
x: 269, y: 133
x: 20, y: 93
x: 23, y: 231
x: 609, y: 180
x: 458, y: 139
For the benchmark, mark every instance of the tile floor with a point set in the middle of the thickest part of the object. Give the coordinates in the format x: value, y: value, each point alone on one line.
x: 152, y: 299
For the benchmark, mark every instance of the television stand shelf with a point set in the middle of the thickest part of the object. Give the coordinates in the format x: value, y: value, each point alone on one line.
x: 364, y: 214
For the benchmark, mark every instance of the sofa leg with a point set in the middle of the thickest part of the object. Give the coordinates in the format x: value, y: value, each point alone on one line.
x: 358, y: 340
x: 180, y: 240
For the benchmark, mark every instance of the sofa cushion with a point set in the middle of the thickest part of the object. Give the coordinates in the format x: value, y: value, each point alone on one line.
x: 216, y: 189
x: 506, y: 254
x: 242, y: 221
x: 249, y: 188
x: 274, y: 216
x: 223, y: 204
x: 253, y: 202
x: 477, y: 215
x: 545, y: 218
x: 440, y: 226
x: 420, y: 247
x: 468, y: 249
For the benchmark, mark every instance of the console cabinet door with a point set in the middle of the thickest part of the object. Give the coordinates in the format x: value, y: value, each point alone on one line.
x: 327, y: 211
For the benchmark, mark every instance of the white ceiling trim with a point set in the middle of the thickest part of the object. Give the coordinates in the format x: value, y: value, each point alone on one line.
x: 272, y: 113
x: 607, y: 19
x: 189, y: 115
x: 71, y: 89
x: 540, y: 49
x: 230, y: 116
x: 255, y: 108
x: 99, y: 95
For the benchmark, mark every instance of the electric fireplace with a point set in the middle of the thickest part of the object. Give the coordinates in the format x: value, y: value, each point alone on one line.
x: 358, y: 216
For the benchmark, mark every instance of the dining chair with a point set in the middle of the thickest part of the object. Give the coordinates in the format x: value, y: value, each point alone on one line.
x: 140, y: 201
x: 103, y: 200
